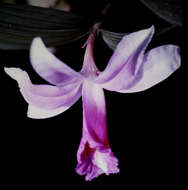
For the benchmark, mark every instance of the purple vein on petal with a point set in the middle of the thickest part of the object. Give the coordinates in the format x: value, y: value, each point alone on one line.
x: 45, y: 97
x: 49, y: 67
x: 130, y: 47
x: 159, y: 64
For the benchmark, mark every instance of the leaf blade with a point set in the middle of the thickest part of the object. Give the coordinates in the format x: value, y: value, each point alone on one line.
x: 171, y: 11
x: 20, y: 24
x: 111, y: 38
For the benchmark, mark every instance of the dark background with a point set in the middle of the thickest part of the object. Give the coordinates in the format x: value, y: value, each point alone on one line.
x: 143, y: 128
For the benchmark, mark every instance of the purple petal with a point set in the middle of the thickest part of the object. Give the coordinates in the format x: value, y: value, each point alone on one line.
x: 126, y: 60
x: 49, y: 67
x: 93, y: 162
x: 94, y: 112
x: 94, y: 154
x: 159, y: 64
x: 51, y: 102
x: 50, y: 99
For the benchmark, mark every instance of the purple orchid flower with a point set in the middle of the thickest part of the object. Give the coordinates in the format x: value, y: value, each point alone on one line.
x: 129, y: 70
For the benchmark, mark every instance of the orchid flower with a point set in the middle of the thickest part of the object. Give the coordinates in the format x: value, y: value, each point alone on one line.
x: 130, y: 69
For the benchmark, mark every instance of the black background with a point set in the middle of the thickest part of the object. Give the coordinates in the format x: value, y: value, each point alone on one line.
x: 144, y: 128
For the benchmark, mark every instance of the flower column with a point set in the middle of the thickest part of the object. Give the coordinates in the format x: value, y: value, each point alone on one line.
x: 94, y: 154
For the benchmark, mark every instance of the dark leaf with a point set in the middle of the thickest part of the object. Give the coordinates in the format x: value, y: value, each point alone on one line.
x: 165, y: 30
x: 169, y: 10
x: 111, y: 38
x: 19, y: 24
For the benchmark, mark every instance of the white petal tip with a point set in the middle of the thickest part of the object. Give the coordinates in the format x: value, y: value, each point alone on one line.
x: 36, y: 42
x: 13, y: 72
x: 37, y: 39
x: 34, y: 113
x: 39, y: 113
x: 38, y: 50
x: 151, y: 29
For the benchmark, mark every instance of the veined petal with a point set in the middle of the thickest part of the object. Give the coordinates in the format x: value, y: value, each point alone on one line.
x: 51, y: 102
x: 126, y: 60
x: 159, y: 64
x: 49, y: 67
x: 94, y: 112
x: 94, y: 154
x: 46, y: 99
